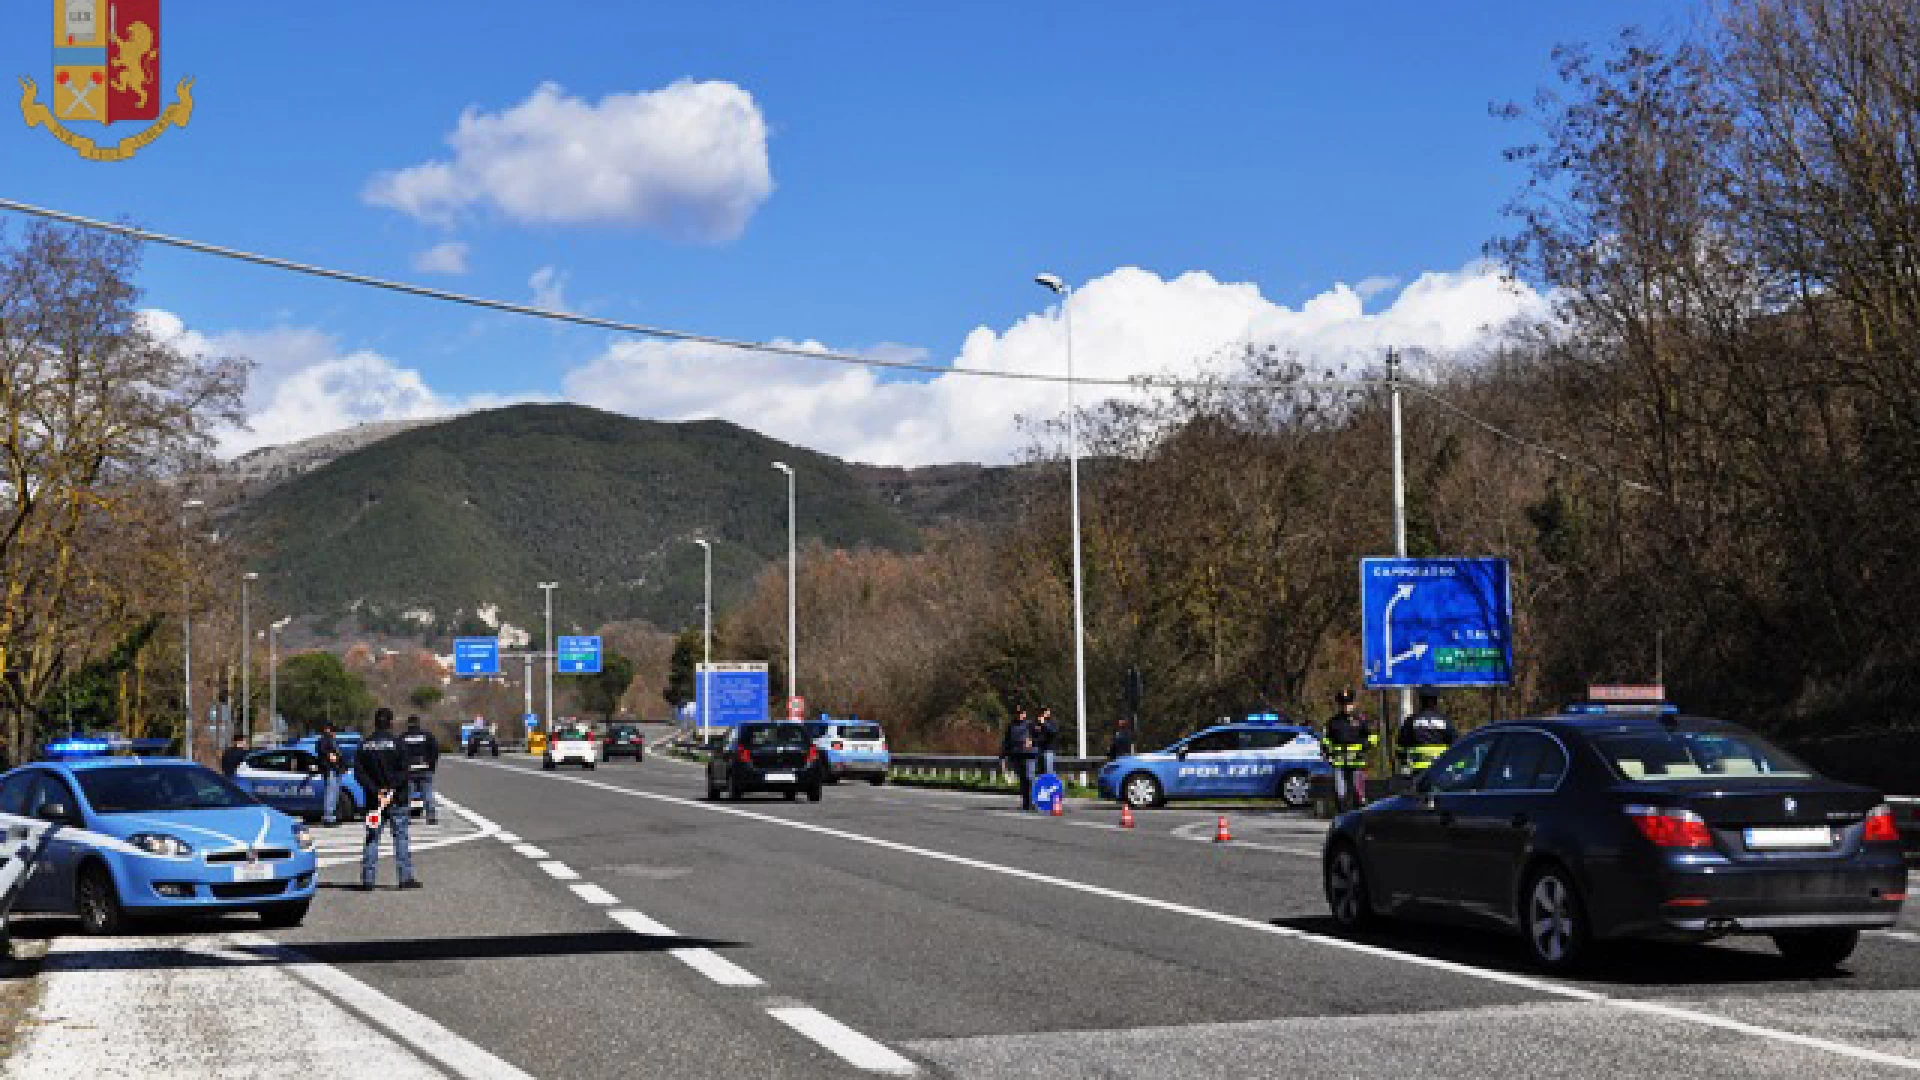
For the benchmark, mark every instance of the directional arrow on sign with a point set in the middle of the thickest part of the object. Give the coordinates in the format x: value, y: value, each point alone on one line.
x: 1386, y: 627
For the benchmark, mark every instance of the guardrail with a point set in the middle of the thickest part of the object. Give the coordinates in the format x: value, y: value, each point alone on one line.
x: 973, y: 767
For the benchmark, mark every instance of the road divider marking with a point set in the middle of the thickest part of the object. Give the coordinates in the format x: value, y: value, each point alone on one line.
x: 560, y: 870
x: 639, y: 923
x: 849, y: 1045
x: 1901, y: 935
x: 705, y: 961
x: 593, y: 894
x: 344, y: 850
x: 508, y: 838
x: 530, y: 851
x: 1526, y: 982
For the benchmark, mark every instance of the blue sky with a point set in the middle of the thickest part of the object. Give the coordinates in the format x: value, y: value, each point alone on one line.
x: 917, y: 164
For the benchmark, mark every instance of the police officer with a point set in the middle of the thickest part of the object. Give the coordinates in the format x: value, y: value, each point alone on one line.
x: 333, y: 768
x: 1349, y: 738
x: 1122, y: 744
x: 381, y: 768
x: 1423, y: 736
x: 1045, y: 734
x: 1017, y: 752
x: 234, y: 756
x: 423, y: 757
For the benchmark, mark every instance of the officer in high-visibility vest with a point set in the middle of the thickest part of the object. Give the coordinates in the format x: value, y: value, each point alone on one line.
x: 1349, y: 741
x: 1423, y: 737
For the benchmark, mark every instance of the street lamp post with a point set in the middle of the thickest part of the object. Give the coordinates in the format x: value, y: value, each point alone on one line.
x: 548, y: 587
x: 273, y: 673
x: 706, y: 640
x: 1060, y: 288
x: 246, y: 658
x: 793, y: 577
x: 186, y: 631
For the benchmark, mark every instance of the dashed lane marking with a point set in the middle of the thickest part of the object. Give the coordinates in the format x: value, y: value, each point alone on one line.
x: 530, y: 851
x: 560, y: 870
x: 1659, y: 1009
x: 593, y: 894
x: 849, y: 1045
x: 705, y: 961
x: 508, y: 838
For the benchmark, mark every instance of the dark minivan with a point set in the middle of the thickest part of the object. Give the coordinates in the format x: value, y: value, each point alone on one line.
x: 1569, y: 829
x: 770, y: 756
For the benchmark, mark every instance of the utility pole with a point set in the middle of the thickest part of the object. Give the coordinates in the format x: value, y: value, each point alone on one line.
x: 1399, y: 519
x: 186, y: 632
x: 548, y: 587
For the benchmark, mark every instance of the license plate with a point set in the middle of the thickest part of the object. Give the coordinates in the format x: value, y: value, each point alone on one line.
x: 253, y: 872
x: 779, y: 778
x: 1785, y: 839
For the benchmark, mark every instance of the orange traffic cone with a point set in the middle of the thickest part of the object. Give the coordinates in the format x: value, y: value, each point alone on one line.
x: 1220, y: 833
x: 1059, y: 806
x: 1126, y: 815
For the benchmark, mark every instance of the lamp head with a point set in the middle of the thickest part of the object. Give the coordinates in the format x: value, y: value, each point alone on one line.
x: 193, y: 504
x: 783, y: 467
x: 250, y: 576
x: 1052, y: 281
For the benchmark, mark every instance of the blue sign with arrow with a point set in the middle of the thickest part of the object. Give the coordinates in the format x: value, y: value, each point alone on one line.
x: 1436, y: 622
x: 476, y: 656
x: 1048, y: 791
x: 578, y: 655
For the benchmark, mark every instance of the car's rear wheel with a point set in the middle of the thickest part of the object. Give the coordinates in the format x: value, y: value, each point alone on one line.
x: 1140, y: 790
x: 792, y: 794
x: 734, y: 789
x: 1296, y: 788
x: 1346, y: 884
x: 284, y: 916
x: 876, y: 781
x: 1555, y: 920
x: 99, y: 902
x: 546, y: 763
x: 813, y: 793
x: 1817, y: 950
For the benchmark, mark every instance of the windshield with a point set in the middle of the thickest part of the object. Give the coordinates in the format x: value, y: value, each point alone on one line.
x: 1688, y: 755
x: 570, y: 734
x: 863, y: 733
x: 773, y: 735
x: 146, y: 788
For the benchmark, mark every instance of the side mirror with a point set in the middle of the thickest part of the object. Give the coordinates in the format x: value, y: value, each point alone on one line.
x: 56, y: 812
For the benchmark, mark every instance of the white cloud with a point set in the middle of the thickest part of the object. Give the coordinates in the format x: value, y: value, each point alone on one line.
x: 688, y: 160
x: 447, y: 258
x: 549, y: 289
x: 1128, y: 323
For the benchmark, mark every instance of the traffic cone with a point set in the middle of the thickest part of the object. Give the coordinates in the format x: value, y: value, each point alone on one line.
x: 1220, y: 833
x: 1126, y: 815
x: 1059, y: 806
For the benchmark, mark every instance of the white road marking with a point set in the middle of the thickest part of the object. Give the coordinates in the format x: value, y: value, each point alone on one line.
x: 507, y: 838
x: 1901, y: 935
x: 593, y: 894
x: 345, y: 851
x: 705, y: 961
x: 560, y: 870
x: 530, y: 851
x: 851, y: 1046
x: 1544, y: 986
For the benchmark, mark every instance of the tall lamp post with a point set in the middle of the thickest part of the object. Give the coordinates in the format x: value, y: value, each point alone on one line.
x: 1060, y: 288
x: 706, y: 640
x: 186, y: 631
x: 246, y: 658
x: 273, y: 673
x: 793, y: 578
x: 548, y: 587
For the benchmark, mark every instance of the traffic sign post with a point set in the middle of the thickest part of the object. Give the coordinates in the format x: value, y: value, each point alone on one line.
x: 1436, y: 622
x: 796, y: 708
x: 731, y: 694
x: 476, y: 656
x: 578, y: 655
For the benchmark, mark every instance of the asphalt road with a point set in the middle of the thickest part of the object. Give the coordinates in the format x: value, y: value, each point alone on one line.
x: 647, y: 932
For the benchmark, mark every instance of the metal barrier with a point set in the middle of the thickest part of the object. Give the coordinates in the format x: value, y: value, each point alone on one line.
x: 987, y: 769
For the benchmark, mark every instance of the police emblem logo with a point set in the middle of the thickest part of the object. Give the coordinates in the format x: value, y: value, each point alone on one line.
x: 106, y: 70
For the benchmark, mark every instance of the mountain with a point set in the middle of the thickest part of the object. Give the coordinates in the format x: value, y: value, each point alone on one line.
x: 449, y: 526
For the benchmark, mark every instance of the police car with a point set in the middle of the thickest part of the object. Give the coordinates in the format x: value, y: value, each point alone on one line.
x: 128, y: 837
x: 288, y: 779
x: 1239, y: 760
x: 852, y: 749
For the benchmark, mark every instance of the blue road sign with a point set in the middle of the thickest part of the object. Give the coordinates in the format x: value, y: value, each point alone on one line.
x: 1436, y: 622
x: 734, y: 694
x: 1048, y: 790
x: 476, y: 656
x: 578, y: 655
x: 532, y: 719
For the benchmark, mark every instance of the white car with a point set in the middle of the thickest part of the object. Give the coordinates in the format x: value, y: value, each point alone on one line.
x: 575, y: 745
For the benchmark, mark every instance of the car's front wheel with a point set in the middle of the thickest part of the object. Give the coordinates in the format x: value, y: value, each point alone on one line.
x: 284, y: 916
x: 1296, y: 789
x: 99, y: 902
x: 546, y: 763
x: 813, y: 793
x: 1346, y: 885
x: 1817, y: 951
x: 1141, y: 790
x: 1555, y: 920
x: 876, y: 781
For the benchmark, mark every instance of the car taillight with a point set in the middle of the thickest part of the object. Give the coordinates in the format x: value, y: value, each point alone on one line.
x: 1880, y: 827
x: 813, y: 753
x: 746, y: 756
x: 839, y: 746
x: 1671, y: 828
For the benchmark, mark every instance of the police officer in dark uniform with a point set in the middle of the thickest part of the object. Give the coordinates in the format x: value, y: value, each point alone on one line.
x: 423, y: 756
x: 1349, y: 739
x: 381, y: 767
x: 1017, y: 750
x: 326, y: 752
x: 1423, y: 736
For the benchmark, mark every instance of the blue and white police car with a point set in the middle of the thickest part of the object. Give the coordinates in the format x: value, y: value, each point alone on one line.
x: 852, y: 749
x: 1238, y: 760
x: 288, y: 779
x: 119, y: 838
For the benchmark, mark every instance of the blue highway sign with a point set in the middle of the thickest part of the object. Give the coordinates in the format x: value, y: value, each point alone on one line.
x: 476, y: 656
x: 578, y: 655
x: 734, y: 694
x: 1436, y: 622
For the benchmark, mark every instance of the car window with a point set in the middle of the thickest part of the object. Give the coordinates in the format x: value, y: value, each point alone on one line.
x: 302, y: 762
x: 1673, y: 754
x: 50, y: 789
x: 773, y: 735
x: 1525, y: 761
x: 1268, y: 740
x: 13, y: 793
x: 571, y: 734
x: 272, y: 761
x: 150, y: 788
x: 1214, y: 742
x: 861, y: 733
x: 1459, y: 768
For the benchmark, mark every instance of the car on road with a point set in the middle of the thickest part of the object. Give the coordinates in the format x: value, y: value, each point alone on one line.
x: 1578, y: 828
x: 1237, y: 760
x: 573, y: 744
x: 479, y: 739
x: 288, y: 779
x: 767, y: 756
x: 851, y: 749
x: 134, y: 837
x: 625, y: 740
